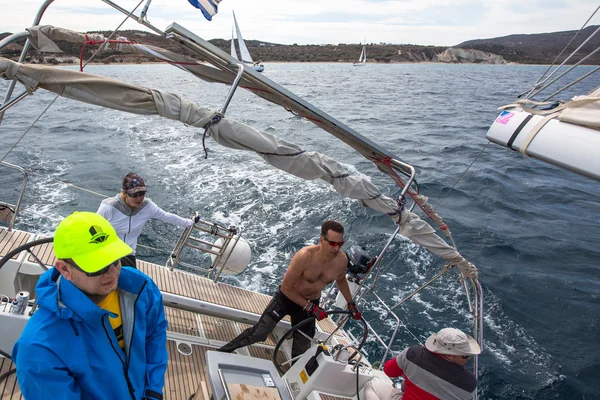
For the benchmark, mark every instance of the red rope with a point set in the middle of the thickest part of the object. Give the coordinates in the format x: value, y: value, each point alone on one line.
x: 94, y: 43
x: 387, y: 162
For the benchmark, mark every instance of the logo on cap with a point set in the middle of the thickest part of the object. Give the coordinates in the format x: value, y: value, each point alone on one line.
x: 98, y: 235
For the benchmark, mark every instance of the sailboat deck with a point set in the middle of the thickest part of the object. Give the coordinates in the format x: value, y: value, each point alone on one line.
x: 11, y: 240
x: 6, y: 212
x: 176, y: 281
x: 9, y: 389
x: 186, y: 374
x: 197, y: 287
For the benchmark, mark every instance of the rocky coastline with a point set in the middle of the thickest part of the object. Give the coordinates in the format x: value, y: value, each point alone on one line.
x: 517, y: 49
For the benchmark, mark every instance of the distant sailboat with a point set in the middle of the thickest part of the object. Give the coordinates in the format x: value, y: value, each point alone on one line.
x: 244, y: 53
x: 362, y: 59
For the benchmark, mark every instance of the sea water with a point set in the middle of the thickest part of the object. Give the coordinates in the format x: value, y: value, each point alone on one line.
x: 530, y: 228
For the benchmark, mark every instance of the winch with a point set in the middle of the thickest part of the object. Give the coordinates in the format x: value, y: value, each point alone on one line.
x: 331, y: 372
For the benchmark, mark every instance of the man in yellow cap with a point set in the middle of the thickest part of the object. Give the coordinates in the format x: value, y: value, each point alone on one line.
x: 100, y: 331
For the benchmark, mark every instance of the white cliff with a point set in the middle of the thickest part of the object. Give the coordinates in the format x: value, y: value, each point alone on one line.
x: 456, y: 55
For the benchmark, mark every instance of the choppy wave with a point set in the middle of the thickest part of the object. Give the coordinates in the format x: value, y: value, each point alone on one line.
x: 529, y: 227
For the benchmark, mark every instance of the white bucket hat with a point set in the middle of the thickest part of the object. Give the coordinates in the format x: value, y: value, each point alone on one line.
x: 452, y: 341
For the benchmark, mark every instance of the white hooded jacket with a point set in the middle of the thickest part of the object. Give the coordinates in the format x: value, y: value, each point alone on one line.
x: 129, y: 223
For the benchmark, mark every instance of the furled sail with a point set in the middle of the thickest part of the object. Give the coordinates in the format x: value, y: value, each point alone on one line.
x: 110, y: 93
x: 261, y: 87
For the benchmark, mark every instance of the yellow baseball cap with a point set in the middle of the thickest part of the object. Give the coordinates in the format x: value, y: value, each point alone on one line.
x: 90, y: 240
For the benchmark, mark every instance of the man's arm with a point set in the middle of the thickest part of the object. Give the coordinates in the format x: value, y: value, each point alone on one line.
x: 293, y: 275
x: 395, y: 367
x: 156, y: 345
x: 342, y: 282
x: 42, y: 375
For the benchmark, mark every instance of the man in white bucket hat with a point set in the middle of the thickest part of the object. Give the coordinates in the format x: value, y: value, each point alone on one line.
x: 437, y: 370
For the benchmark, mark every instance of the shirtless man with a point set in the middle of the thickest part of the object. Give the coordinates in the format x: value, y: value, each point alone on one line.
x: 312, y: 268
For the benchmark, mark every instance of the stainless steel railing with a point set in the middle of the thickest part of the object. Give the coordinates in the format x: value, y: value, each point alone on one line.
x: 14, y: 209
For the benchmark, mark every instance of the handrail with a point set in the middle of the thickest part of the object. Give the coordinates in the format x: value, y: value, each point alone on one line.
x: 389, y: 346
x: 21, y: 192
x: 36, y: 21
x: 478, y: 331
x: 187, y: 240
x: 429, y: 282
x: 233, y: 87
x: 11, y: 103
x: 13, y: 38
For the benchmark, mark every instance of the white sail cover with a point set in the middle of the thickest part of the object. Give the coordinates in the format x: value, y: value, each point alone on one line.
x: 567, y: 136
x: 583, y: 110
x: 244, y: 53
x: 280, y: 153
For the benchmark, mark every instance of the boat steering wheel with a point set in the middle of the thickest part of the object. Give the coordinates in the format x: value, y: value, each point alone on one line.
x: 306, y: 321
x: 26, y: 247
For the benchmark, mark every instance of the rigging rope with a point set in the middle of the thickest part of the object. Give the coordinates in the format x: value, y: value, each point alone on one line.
x: 29, y: 171
x: 94, y: 43
x: 538, y: 83
x: 112, y: 34
x: 52, y: 102
x: 531, y: 94
x: 568, y: 70
x: 572, y: 83
x: 462, y: 175
x: 28, y: 129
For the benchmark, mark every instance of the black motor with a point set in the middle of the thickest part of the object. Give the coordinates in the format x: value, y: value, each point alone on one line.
x: 359, y: 261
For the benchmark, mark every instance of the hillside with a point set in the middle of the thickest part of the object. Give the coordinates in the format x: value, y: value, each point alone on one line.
x: 529, y: 49
x: 263, y: 51
x: 539, y: 48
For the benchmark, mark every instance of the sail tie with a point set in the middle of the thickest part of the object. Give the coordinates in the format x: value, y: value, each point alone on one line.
x: 388, y: 162
x: 214, y: 119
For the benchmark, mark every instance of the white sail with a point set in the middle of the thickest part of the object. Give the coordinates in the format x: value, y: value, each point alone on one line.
x: 244, y: 53
x: 362, y: 59
x: 363, y: 56
x: 233, y: 52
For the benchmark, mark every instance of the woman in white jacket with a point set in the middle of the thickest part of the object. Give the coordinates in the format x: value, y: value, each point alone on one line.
x: 129, y: 210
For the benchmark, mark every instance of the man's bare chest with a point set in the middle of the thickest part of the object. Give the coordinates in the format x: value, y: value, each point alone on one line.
x: 320, y: 274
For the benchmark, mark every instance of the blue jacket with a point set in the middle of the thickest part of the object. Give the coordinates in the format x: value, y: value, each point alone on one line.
x: 68, y: 349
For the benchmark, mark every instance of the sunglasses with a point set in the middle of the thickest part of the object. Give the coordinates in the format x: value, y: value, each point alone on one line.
x: 99, y: 272
x: 332, y: 243
x: 135, y: 195
x: 466, y: 357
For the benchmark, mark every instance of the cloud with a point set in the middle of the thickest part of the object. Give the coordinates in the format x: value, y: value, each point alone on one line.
x: 427, y: 22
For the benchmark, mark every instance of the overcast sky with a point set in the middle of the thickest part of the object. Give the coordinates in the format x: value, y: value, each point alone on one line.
x: 423, y: 22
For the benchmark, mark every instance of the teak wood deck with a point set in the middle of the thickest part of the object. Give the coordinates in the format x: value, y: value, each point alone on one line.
x: 186, y: 374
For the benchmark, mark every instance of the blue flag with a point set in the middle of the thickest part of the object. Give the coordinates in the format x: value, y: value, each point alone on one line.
x: 208, y: 7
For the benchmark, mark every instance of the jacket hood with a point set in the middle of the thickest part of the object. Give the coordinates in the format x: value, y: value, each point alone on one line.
x: 59, y: 296
x: 120, y: 205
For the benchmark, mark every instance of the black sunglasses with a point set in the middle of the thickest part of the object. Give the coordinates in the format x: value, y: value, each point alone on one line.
x: 138, y: 194
x: 97, y: 273
x: 466, y: 357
